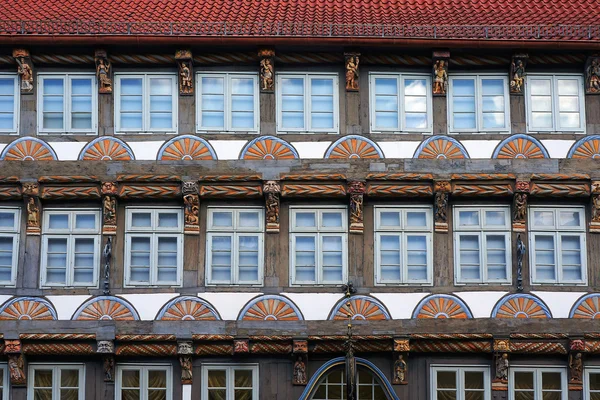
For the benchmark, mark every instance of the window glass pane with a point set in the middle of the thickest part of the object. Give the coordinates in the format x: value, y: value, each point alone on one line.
x: 416, y: 219
x: 130, y: 378
x: 524, y: 380
x: 568, y: 103
x: 570, y: 218
x: 248, y: 258
x: 496, y: 256
x: 212, y: 85
x: 157, y: 379
x: 222, y: 219
x: 168, y: 220
x: 221, y: 258
x: 541, y: 104
x: 386, y: 120
x: 85, y: 221
x: 390, y: 257
x: 69, y: 378
x: 167, y: 259
x: 468, y: 218
x: 492, y: 87
x: 58, y: 221
x: 543, y: 218
x: 248, y: 219
x: 131, y: 86
x: 386, y: 86
x: 305, y: 258
x: 493, y: 120
x: 140, y: 259
x: 217, y: 378
x: 463, y: 87
x: 417, y: 257
x: 332, y: 219
x: 84, y: 260
x: 415, y: 87
x: 389, y: 218
x: 568, y: 87
x: 7, y: 220
x: 446, y: 380
x: 292, y: 86
x: 243, y: 378
x: 469, y: 257
x: 571, y: 258
x: 541, y: 120
x: 544, y: 257
x: 7, y: 86
x: 42, y: 378
x: 141, y: 219
x: 551, y: 380
x: 594, y: 380
x: 474, y: 380
x: 160, y: 86
x: 495, y: 218
x: 540, y: 86
x: 305, y: 219
x: 321, y: 120
x: 569, y: 120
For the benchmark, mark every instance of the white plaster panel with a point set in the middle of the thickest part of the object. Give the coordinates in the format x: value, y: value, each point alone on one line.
x: 2, y: 146
x: 480, y: 148
x: 4, y: 298
x: 186, y: 392
x: 558, y: 148
x: 146, y: 150
x: 228, y: 305
x: 398, y: 149
x: 66, y: 305
x: 314, y: 306
x: 559, y: 303
x: 481, y: 304
x: 311, y: 149
x: 228, y: 149
x: 67, y: 151
x: 400, y: 305
x: 148, y: 305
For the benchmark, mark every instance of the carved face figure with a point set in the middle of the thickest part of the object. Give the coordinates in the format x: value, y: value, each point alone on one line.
x: 30, y: 188
x: 271, y: 187
x: 109, y: 188
x: 190, y: 187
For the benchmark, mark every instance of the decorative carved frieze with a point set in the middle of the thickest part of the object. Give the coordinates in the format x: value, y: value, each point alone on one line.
x: 440, y: 72
x: 57, y: 336
x: 146, y: 338
x: 241, y: 346
x: 147, y: 349
x: 148, y: 178
x: 67, y: 179
x: 58, y: 349
x: 140, y: 191
x: 10, y: 192
x: 105, y: 347
x: 267, y: 70
x: 70, y: 192
x: 109, y: 208
x: 592, y: 74
x: 518, y: 65
x: 272, y: 191
x: 352, y: 61
x: 560, y: 189
x: 16, y: 366
x: 313, y: 190
x: 538, y: 347
x: 229, y: 178
x: 460, y: 189
x: 191, y: 208
x: 313, y: 177
x: 482, y: 177
x: 451, y: 346
x: 399, y: 176
x: 103, y: 72
x: 398, y: 190
x: 24, y: 69
x: 212, y: 349
x: 186, y: 72
x: 231, y: 191
x: 560, y: 177
x: 357, y: 190
x: 271, y: 347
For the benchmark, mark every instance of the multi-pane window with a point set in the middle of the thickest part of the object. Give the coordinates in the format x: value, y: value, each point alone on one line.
x: 557, y: 244
x: 227, y: 102
x: 478, y: 103
x: 460, y: 383
x: 403, y: 252
x: 146, y: 103
x: 10, y: 224
x: 318, y: 245
x: 307, y: 103
x: 592, y: 384
x: 56, y: 382
x: 67, y: 103
x: 555, y: 103
x: 9, y: 103
x: 482, y: 244
x: 537, y: 384
x: 400, y: 103
x: 334, y: 386
x: 230, y: 382
x: 154, y: 246
x: 70, y: 247
x: 234, y: 244
x: 4, y: 382
x: 147, y: 382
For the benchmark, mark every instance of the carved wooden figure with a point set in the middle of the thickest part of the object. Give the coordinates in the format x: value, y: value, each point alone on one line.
x: 103, y: 72
x: 352, y: 62
x: 300, y: 375
x: 186, y: 369
x: 440, y: 72
x: 186, y: 72
x: 356, y: 190
x: 519, y: 212
x: 109, y: 368
x: 109, y: 208
x: 16, y: 366
x: 400, y: 371
x: 592, y: 75
x: 267, y: 70
x: 575, y: 371
x: 191, y: 208
x: 24, y: 69
x: 442, y: 193
x: 272, y: 191
x: 517, y: 73
x: 32, y: 205
x: 595, y: 208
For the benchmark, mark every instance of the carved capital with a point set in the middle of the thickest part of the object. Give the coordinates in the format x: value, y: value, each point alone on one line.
x: 105, y: 347
x: 300, y: 346
x: 185, y: 347
x: 501, y: 346
x: 357, y: 187
x: 241, y: 346
x: 185, y: 67
x: 518, y: 65
x: 442, y: 186
x: 401, y: 345
x: 109, y: 188
x: 12, y: 346
x: 592, y: 74
x: 352, y: 60
x: 267, y: 70
x: 440, y: 72
x: 522, y: 186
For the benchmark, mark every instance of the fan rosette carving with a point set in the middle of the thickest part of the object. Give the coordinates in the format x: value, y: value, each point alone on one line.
x: 442, y: 306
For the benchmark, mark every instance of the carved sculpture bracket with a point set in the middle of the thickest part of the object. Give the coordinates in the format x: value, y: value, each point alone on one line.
x: 191, y: 202
x: 300, y: 353
x: 357, y: 190
x: 576, y: 347
x: 352, y: 61
x: 272, y: 191
x: 33, y: 208
x: 109, y: 208
x: 16, y: 362
x: 595, y: 220
x: 267, y: 70
x: 592, y: 74
x: 519, y: 214
x: 25, y: 70
x: 518, y: 67
x: 400, y: 354
x: 501, y: 349
x: 441, y: 60
x: 103, y: 72
x: 185, y: 72
x: 442, y: 193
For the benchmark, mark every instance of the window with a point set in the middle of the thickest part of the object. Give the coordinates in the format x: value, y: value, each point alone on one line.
x: 154, y: 246
x: 482, y: 244
x: 592, y: 384
x: 56, y: 382
x: 67, y: 103
x: 400, y: 103
x: 334, y: 386
x: 10, y: 224
x: 554, y: 103
x: 4, y: 382
x: 70, y: 248
x: 478, y: 103
x: 146, y: 103
x: 460, y: 383
x: 147, y: 382
x: 557, y: 243
x: 403, y: 239
x: 9, y: 103
x: 537, y: 384
x: 318, y: 244
x: 230, y: 382
x: 228, y: 102
x: 307, y: 103
x: 234, y: 243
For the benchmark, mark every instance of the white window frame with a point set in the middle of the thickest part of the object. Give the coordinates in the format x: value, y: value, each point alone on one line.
x: 56, y: 367
x: 478, y: 78
x: 403, y: 233
x: 586, y: 381
x: 154, y: 233
x: 234, y: 232
x: 400, y: 78
x: 16, y: 105
x: 557, y: 231
x: 308, y: 76
x: 482, y: 231
x: 537, y: 379
x: 70, y: 234
x: 145, y: 77
x: 15, y: 235
x: 5, y: 381
x: 144, y: 369
x: 227, y: 77
x: 555, y: 111
x: 67, y: 78
x: 230, y: 376
x: 318, y: 233
x: 460, y: 373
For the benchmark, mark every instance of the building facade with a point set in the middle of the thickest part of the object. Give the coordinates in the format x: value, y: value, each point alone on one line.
x: 196, y: 204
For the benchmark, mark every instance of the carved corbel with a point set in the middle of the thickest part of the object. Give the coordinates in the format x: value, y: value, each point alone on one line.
x: 501, y: 349
x: 109, y: 208
x: 103, y: 72
x: 185, y: 66
x: 576, y: 350
x: 595, y: 207
x: 441, y: 191
x: 267, y: 70
x: 592, y: 74
x: 357, y: 190
x: 400, y: 355
x: 241, y: 346
x: 16, y: 362
x: 31, y: 191
x: 519, y: 215
x: 300, y: 353
x: 185, y: 349
x: 24, y: 69
x: 352, y: 60
x: 107, y: 349
x: 272, y: 191
x: 191, y: 203
x: 518, y: 65
x: 440, y: 59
